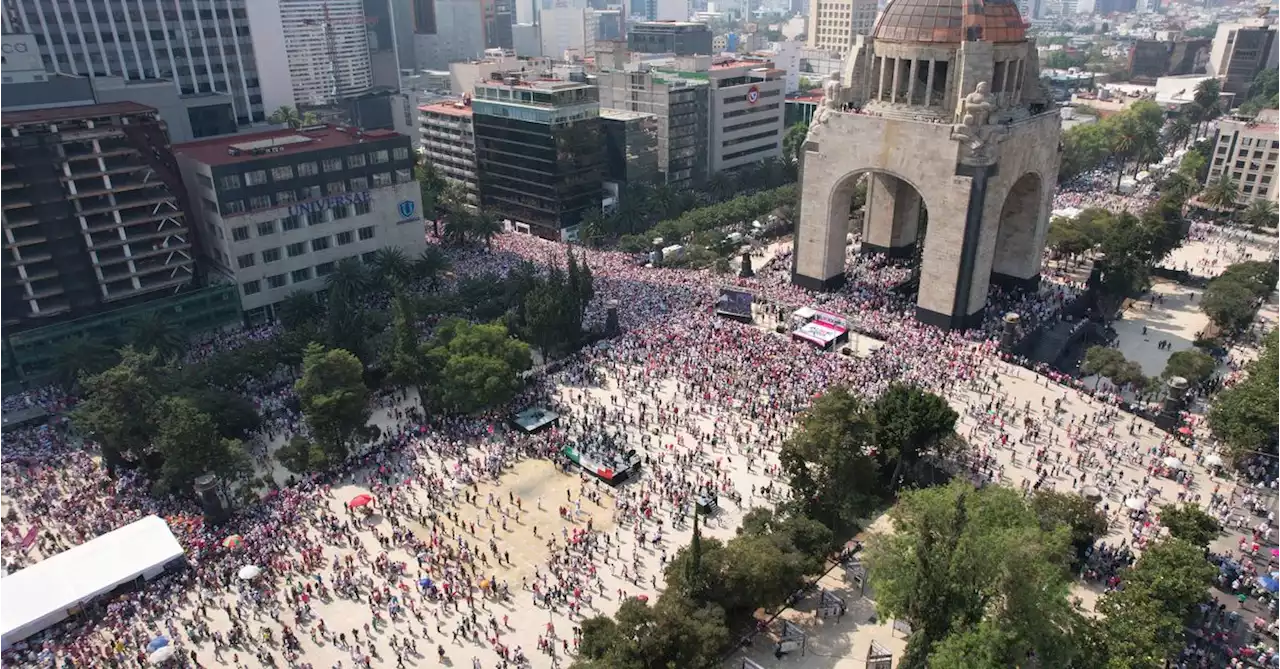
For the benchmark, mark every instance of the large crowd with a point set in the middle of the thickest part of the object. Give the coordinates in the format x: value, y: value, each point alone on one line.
x: 707, y: 401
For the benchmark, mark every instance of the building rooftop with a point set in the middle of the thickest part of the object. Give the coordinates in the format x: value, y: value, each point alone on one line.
x: 71, y: 113
x: 622, y: 114
x: 258, y: 145
x: 673, y: 24
x: 448, y: 108
x: 538, y: 84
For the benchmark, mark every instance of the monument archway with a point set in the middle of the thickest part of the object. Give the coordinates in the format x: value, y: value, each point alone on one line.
x: 951, y: 117
x: 1012, y: 263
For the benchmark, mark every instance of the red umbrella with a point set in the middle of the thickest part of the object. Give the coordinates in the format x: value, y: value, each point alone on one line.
x: 359, y: 501
x: 643, y: 598
x: 1184, y: 430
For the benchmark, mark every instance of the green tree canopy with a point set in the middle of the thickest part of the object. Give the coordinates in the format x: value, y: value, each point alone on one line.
x: 117, y: 409
x: 1244, y: 416
x: 189, y: 441
x: 334, y: 398
x: 1190, y: 523
x: 475, y: 366
x: 1193, y: 365
x: 909, y: 423
x: 1085, y: 521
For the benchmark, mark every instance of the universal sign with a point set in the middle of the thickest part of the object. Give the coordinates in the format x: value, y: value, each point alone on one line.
x: 329, y: 203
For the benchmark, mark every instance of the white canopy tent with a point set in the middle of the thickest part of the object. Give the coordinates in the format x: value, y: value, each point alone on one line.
x: 48, y: 591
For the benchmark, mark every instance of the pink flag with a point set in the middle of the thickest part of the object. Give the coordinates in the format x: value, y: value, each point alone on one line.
x: 30, y: 539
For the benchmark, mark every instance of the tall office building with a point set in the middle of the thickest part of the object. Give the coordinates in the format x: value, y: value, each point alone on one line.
x: 681, y: 107
x: 93, y: 213
x: 202, y: 50
x: 568, y: 32
x: 833, y: 23
x: 448, y: 31
x: 389, y: 28
x: 1240, y: 52
x: 747, y: 111
x: 630, y: 146
x: 667, y: 10
x: 682, y: 38
x: 499, y: 17
x: 539, y: 152
x: 326, y: 45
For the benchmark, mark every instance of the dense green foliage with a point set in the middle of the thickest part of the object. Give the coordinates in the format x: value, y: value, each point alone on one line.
x: 1234, y: 296
x: 1244, y: 416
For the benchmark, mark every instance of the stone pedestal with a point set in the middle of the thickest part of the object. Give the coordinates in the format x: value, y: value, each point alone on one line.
x: 746, y: 271
x: 611, y: 326
x: 1009, y: 335
x: 208, y: 490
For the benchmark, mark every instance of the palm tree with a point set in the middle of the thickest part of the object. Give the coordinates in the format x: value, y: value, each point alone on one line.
x: 1180, y: 131
x: 298, y: 309
x: 592, y: 230
x: 349, y: 280
x: 81, y: 356
x: 1123, y: 146
x: 391, y: 267
x: 151, y: 333
x: 661, y: 201
x: 430, y: 265
x: 720, y: 186
x: 1259, y: 214
x: 458, y: 223
x: 1179, y: 186
x: 1220, y: 194
x: 485, y: 226
x: 1207, y: 98
x: 292, y: 117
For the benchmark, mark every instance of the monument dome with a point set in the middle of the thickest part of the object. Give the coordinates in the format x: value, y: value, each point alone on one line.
x: 951, y: 22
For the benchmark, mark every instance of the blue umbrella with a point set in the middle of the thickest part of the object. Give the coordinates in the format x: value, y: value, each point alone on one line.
x: 157, y: 643
x: 424, y: 583
x: 1269, y: 583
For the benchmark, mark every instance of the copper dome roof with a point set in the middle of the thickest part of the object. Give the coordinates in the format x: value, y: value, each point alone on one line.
x: 951, y: 21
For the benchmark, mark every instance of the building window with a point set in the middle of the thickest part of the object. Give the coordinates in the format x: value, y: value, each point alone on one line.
x: 266, y: 228
x: 332, y: 164
x: 380, y: 157
x: 400, y: 154
x: 205, y: 182
x: 335, y: 187
x: 245, y: 261
x: 366, y: 233
x: 404, y: 176
x: 252, y: 287
x: 285, y: 197
x: 362, y: 208
x: 356, y: 160
x: 300, y: 275
x: 340, y: 212
x: 291, y: 223
x: 324, y: 269
x: 210, y: 206
x: 282, y: 173
x: 260, y: 202
x: 317, y: 217
x: 296, y: 249
x: 345, y: 237
x: 270, y: 255
x: 360, y: 183
x: 234, y: 207
x: 255, y: 178
x: 308, y: 169
x: 229, y: 182
x: 276, y: 281
x: 309, y: 192
x: 381, y: 179
x: 240, y: 233
x: 319, y: 243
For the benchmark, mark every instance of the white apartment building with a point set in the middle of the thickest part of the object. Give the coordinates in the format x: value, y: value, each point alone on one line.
x: 1246, y: 152
x: 327, y: 47
x: 447, y: 140
x: 833, y: 23
x: 276, y: 211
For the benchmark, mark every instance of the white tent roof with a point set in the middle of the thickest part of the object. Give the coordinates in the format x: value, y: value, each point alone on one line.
x: 44, y: 591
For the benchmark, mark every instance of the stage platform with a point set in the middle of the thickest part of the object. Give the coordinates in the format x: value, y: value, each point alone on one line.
x: 534, y: 419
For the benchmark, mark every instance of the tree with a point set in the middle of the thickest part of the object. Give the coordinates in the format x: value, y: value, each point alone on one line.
x: 333, y: 398
x: 80, y: 356
x: 1259, y: 214
x: 234, y: 416
x: 153, y: 333
x: 1082, y: 518
x: 793, y: 142
x: 117, y: 411
x: 909, y: 423
x: 960, y: 557
x: 1220, y: 193
x: 431, y: 186
x: 1190, y: 523
x: 406, y: 362
x: 1146, y: 618
x: 301, y: 456
x: 191, y: 446
x: 290, y: 116
x: 484, y: 227
x: 828, y: 461
x: 547, y: 312
x: 475, y: 366
x: 1193, y: 365
x: 390, y: 267
x: 430, y: 266
x: 1229, y: 304
x: 593, y: 228
x: 673, y: 633
x: 1243, y: 416
x: 349, y: 281
x: 1103, y: 361
x: 300, y: 310
x: 1207, y: 98
x: 1180, y: 131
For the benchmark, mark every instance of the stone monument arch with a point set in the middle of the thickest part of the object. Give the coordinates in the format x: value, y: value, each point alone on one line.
x: 943, y: 107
